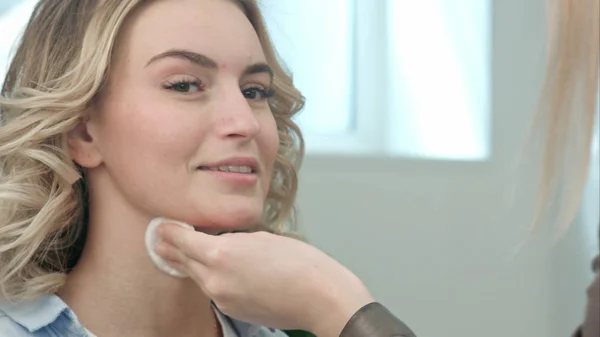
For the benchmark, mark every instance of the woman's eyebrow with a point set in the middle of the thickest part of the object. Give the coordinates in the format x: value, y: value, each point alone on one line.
x: 206, y: 62
x: 260, y: 68
x: 199, y: 59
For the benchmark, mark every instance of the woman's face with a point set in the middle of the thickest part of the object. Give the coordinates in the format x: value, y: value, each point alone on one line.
x: 183, y: 127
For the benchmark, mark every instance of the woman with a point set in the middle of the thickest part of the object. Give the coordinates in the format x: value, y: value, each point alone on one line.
x: 325, y: 301
x: 119, y: 111
x: 566, y: 121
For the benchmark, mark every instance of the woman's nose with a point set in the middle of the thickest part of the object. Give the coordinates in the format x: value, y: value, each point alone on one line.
x: 237, y: 118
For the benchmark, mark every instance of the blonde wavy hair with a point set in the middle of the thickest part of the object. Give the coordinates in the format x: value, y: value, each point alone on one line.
x: 61, y: 64
x: 568, y: 108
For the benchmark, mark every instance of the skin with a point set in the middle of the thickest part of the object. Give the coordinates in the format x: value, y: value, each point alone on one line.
x: 295, y: 286
x: 157, y: 120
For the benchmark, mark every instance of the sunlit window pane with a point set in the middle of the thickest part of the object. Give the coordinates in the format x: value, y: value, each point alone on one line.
x: 439, y: 79
x: 314, y: 38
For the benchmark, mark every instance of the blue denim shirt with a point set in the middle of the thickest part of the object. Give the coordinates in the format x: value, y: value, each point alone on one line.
x: 49, y: 316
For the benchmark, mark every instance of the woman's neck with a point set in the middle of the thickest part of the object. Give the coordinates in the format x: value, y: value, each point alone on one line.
x: 115, y: 290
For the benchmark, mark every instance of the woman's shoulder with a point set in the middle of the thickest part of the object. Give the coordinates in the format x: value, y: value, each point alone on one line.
x: 47, y: 315
x: 11, y: 328
x: 28, y: 318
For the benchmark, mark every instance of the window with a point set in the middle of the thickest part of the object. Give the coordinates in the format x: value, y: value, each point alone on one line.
x: 315, y: 40
x: 392, y: 77
x: 439, y: 77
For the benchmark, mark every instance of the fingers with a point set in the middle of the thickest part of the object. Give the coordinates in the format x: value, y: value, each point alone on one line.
x: 187, y: 262
x: 193, y: 245
x: 178, y: 260
x: 170, y: 253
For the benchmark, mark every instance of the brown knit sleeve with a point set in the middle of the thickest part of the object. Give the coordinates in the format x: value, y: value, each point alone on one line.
x: 375, y: 320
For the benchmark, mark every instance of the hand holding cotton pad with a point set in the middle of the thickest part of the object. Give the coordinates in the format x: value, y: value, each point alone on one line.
x: 152, y: 241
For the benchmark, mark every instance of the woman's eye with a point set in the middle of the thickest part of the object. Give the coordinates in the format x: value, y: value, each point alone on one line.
x: 185, y: 86
x: 257, y: 94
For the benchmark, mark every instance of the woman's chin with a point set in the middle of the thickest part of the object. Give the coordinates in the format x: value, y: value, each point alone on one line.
x: 220, y: 228
x: 219, y: 217
x: 221, y: 223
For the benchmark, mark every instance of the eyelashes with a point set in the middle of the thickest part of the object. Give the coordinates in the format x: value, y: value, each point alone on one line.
x: 184, y: 86
x: 257, y: 93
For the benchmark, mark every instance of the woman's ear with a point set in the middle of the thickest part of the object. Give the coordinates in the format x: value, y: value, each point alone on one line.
x: 82, y: 146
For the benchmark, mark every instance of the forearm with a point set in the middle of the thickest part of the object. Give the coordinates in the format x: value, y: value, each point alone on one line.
x: 347, y: 309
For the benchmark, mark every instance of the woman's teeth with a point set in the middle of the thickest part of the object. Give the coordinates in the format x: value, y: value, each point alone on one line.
x: 229, y: 168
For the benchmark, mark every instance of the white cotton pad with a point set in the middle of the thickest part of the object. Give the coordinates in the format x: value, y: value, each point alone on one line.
x: 152, y: 241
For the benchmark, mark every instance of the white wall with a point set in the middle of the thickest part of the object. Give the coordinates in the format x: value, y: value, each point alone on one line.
x: 435, y: 241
